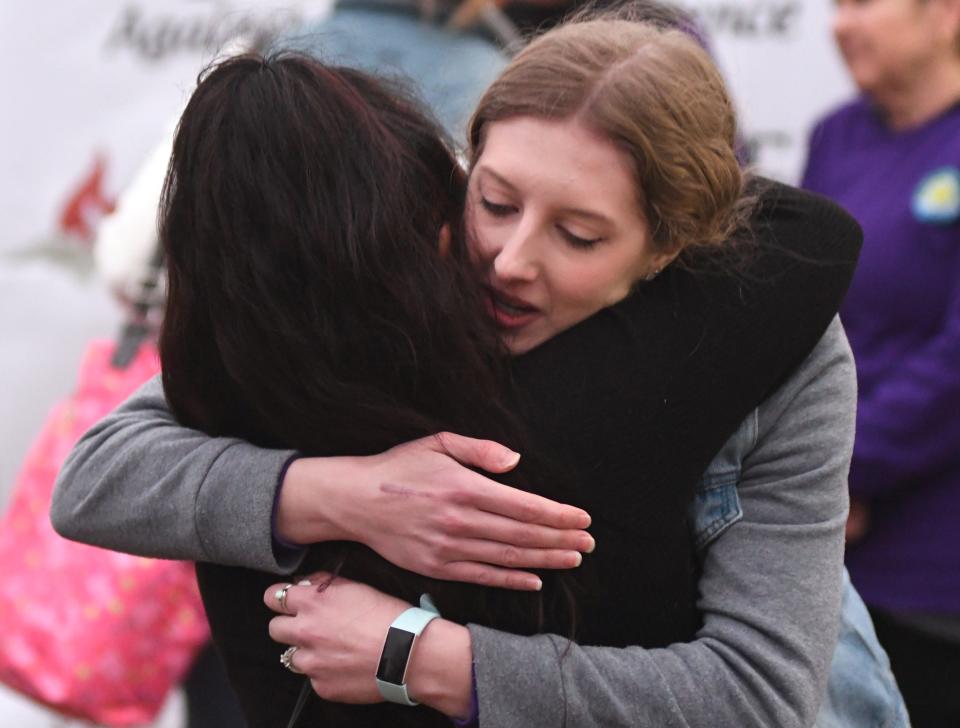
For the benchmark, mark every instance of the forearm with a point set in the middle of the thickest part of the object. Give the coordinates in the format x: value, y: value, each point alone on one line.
x: 141, y: 483
x: 770, y: 595
x: 747, y: 667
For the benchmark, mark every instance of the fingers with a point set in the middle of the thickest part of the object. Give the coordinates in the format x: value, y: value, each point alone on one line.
x: 494, y: 497
x: 283, y: 630
x: 490, y: 563
x: 486, y: 575
x: 500, y: 554
x: 484, y: 454
x: 493, y: 527
x: 527, y: 507
x: 287, y: 598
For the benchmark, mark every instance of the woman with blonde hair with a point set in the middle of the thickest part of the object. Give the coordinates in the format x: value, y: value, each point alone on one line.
x: 643, y: 337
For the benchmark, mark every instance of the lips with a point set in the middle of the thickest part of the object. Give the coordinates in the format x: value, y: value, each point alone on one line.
x: 508, y: 311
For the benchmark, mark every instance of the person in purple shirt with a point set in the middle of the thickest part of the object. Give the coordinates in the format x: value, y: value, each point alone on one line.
x: 892, y: 158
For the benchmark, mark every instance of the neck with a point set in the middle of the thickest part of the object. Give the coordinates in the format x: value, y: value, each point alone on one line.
x: 928, y: 95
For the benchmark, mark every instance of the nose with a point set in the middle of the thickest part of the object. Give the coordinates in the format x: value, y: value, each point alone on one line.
x: 517, y: 260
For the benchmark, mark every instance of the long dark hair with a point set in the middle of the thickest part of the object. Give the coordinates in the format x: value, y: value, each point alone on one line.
x: 309, y: 307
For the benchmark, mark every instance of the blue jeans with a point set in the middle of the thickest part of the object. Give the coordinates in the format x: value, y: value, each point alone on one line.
x: 862, y: 690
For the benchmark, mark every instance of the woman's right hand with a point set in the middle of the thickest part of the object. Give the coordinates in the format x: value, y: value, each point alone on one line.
x: 420, y: 507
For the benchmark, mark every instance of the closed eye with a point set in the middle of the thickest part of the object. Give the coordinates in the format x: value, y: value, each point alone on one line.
x: 576, y: 241
x: 495, y: 209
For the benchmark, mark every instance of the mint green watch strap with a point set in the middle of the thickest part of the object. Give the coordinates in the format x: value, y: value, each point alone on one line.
x: 414, y: 620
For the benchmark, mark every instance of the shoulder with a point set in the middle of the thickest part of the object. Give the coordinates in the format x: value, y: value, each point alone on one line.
x: 856, y: 111
x: 797, y: 472
x: 790, y: 220
x: 777, y: 201
x: 820, y: 392
x: 841, y: 124
x: 785, y: 223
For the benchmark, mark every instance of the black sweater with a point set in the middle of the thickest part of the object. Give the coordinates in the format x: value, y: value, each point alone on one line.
x: 624, y: 411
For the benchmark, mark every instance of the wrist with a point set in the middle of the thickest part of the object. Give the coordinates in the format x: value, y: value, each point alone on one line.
x: 313, y: 500
x: 440, y: 673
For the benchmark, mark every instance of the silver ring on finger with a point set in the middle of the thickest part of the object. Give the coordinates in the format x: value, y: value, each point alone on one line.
x: 286, y: 659
x: 281, y: 595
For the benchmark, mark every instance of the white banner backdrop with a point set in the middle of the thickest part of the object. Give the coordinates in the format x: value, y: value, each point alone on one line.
x: 88, y: 89
x: 89, y: 86
x: 784, y: 69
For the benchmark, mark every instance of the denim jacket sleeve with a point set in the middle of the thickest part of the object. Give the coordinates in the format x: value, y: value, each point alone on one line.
x: 716, y: 504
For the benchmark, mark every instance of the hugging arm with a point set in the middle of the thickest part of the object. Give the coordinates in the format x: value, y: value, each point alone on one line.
x: 769, y: 593
x: 140, y: 482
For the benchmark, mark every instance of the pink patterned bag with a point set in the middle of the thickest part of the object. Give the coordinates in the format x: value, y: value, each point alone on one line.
x: 92, y: 633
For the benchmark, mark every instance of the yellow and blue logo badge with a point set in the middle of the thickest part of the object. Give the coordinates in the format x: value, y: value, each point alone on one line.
x: 937, y: 198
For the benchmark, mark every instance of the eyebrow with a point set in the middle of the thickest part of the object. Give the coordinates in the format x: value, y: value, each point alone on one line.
x: 497, y: 177
x: 587, y: 214
x: 573, y: 211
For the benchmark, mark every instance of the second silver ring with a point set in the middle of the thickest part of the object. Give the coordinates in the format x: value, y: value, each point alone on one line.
x: 286, y: 659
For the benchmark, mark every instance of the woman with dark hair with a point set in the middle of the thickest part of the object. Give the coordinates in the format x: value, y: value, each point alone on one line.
x: 609, y: 385
x: 329, y: 335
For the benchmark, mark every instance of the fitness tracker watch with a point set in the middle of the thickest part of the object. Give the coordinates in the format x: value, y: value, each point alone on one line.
x: 402, y: 635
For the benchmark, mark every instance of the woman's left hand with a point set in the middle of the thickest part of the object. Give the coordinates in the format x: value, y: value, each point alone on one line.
x: 338, y: 627
x: 338, y: 630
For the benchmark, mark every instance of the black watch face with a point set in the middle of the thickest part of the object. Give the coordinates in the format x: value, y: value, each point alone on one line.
x: 396, y: 650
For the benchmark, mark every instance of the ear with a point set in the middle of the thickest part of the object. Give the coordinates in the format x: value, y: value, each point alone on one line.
x: 659, y: 261
x: 443, y: 240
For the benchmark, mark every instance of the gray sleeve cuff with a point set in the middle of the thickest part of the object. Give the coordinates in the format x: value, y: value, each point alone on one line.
x: 234, y: 523
x: 139, y: 482
x: 519, y: 681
